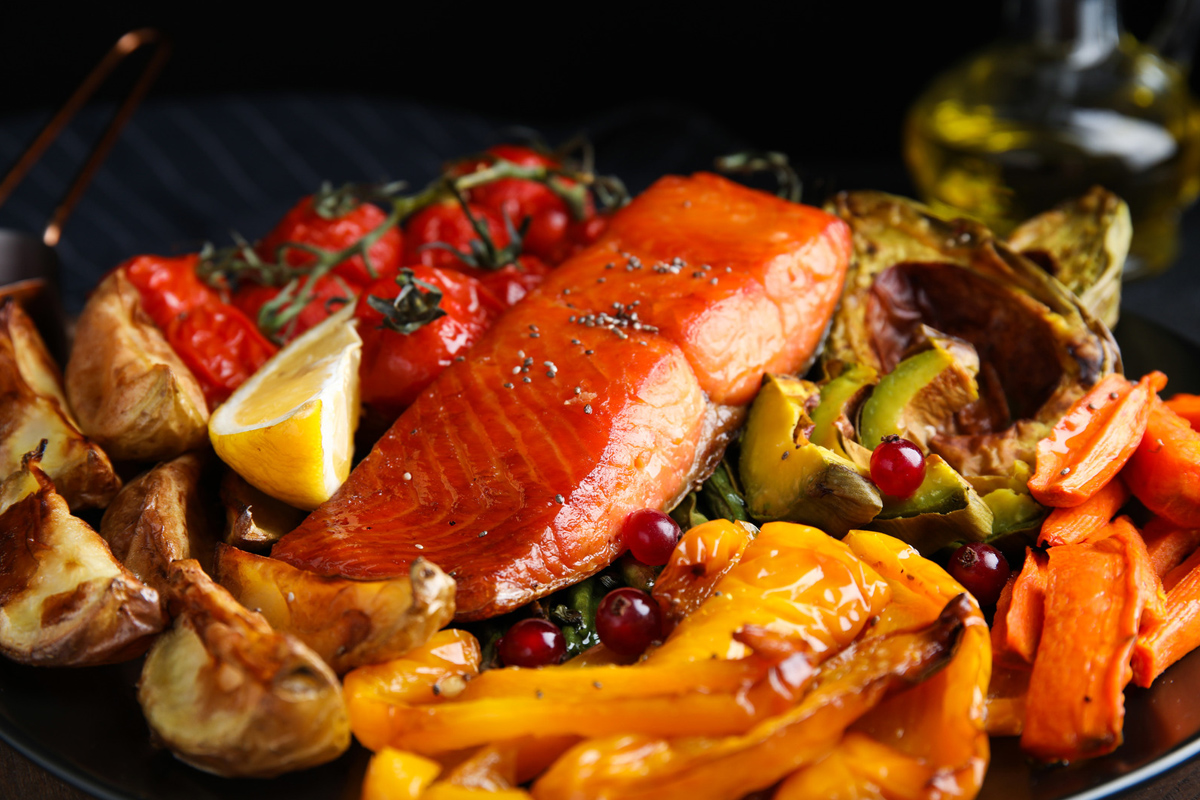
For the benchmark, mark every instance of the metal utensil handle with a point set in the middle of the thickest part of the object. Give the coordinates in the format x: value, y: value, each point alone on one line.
x: 125, y: 46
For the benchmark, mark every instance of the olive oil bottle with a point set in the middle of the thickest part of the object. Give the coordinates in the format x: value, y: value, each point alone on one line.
x: 1064, y: 102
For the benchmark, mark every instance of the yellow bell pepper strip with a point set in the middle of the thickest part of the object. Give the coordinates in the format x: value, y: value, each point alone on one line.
x: 1164, y: 473
x: 793, y: 579
x: 1095, y: 439
x: 861, y: 768
x: 701, y: 558
x: 1096, y: 593
x: 1078, y: 523
x: 942, y: 721
x: 448, y: 791
x: 640, y: 767
x: 492, y: 767
x: 397, y: 775
x: 428, y: 674
x: 793, y: 585
x: 694, y: 703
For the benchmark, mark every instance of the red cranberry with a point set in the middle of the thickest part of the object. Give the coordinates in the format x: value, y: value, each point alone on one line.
x: 897, y: 466
x: 651, y: 536
x: 532, y: 643
x: 982, y: 570
x: 628, y: 621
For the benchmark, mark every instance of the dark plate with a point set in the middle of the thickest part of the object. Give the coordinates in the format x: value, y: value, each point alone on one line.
x: 184, y: 171
x: 86, y: 727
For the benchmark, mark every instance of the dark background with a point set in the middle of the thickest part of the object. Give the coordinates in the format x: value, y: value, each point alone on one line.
x: 828, y: 79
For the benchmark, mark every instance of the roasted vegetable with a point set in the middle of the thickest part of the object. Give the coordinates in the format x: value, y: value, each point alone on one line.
x: 159, y: 517
x: 1083, y: 243
x: 698, y: 768
x: 932, y: 734
x: 912, y: 271
x: 253, y: 519
x: 788, y: 477
x: 921, y: 395
x: 129, y: 390
x: 347, y: 623
x: 230, y: 696
x: 64, y: 599
x: 944, y: 509
x: 33, y: 408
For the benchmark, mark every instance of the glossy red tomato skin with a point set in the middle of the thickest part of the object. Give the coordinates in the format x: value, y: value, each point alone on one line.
x: 514, y: 281
x: 220, y: 345
x: 303, y: 224
x: 549, y: 235
x: 168, y: 286
x: 331, y: 291
x: 447, y: 223
x: 397, y: 367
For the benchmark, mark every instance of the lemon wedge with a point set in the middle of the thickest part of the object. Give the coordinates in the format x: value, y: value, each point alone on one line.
x: 289, y: 429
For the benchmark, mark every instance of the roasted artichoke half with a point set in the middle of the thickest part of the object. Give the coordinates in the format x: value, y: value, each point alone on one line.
x: 1039, y: 347
x: 1083, y: 243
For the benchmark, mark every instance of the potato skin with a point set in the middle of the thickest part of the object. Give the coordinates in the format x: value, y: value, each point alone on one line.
x: 33, y: 407
x: 348, y: 623
x: 230, y: 696
x: 64, y: 600
x: 159, y: 517
x: 129, y: 390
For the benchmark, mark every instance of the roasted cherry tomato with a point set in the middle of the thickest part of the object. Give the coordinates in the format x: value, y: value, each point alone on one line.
x: 396, y: 367
x: 514, y: 281
x: 447, y: 223
x: 331, y: 293
x: 220, y: 345
x: 168, y: 286
x: 305, y: 225
x: 549, y: 235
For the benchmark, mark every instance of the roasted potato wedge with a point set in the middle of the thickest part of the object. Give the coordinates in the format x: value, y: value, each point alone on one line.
x: 64, y: 599
x: 253, y: 519
x: 348, y: 623
x: 161, y: 517
x: 230, y: 696
x: 129, y: 390
x: 33, y: 408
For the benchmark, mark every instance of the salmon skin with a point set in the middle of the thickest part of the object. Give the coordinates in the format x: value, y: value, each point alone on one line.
x: 615, y: 386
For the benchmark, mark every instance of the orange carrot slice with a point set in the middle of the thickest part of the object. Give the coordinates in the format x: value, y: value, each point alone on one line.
x: 1095, y: 598
x: 1168, y: 544
x: 999, y: 631
x: 1025, y: 616
x: 1164, y: 473
x: 1188, y: 407
x: 1093, y: 441
x: 1177, y: 633
x: 1075, y: 524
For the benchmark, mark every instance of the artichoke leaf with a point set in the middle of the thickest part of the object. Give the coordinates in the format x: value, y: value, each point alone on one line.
x: 1083, y: 243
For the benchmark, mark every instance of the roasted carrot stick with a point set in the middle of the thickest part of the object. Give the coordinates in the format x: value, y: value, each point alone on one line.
x: 1188, y: 407
x: 1168, y: 545
x: 1177, y: 634
x: 1095, y: 598
x: 1024, y: 620
x: 1081, y: 522
x: 1164, y: 473
x: 1093, y: 441
x: 999, y: 630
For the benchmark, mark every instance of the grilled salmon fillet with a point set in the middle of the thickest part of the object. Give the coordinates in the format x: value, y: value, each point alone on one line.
x: 615, y: 386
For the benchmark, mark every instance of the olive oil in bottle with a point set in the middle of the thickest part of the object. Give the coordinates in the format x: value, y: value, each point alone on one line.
x: 1067, y: 103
